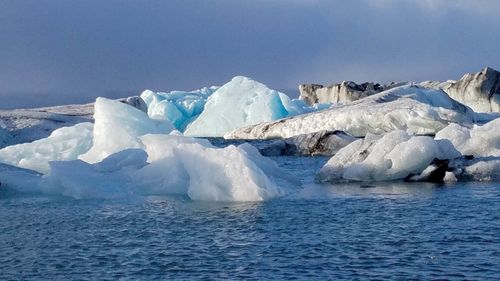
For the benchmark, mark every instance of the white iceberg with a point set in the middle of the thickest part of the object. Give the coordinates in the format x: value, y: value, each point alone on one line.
x: 409, y: 108
x: 66, y: 143
x: 172, y: 165
x: 468, y: 154
x: 392, y: 156
x: 480, y: 141
x: 240, y: 102
x: 118, y: 126
x: 180, y: 165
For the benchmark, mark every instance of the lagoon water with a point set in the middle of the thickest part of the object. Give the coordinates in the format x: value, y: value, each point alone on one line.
x: 380, y: 231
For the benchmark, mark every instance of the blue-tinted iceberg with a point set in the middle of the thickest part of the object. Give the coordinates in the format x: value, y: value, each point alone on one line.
x: 241, y: 102
x: 178, y: 107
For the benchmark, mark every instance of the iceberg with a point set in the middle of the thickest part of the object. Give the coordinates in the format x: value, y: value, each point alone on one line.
x: 117, y: 127
x: 130, y: 154
x: 65, y: 143
x: 168, y: 165
x: 387, y: 157
x: 178, y: 107
x: 456, y: 153
x: 410, y: 108
x: 180, y: 165
x: 480, y: 141
x: 240, y: 102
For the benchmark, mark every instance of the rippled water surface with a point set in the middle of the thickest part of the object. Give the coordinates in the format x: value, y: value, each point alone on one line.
x: 386, y: 231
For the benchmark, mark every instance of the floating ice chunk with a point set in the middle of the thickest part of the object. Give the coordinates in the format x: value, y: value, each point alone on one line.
x: 392, y: 156
x: 178, y: 107
x: 240, y: 102
x: 479, y: 141
x: 169, y: 165
x: 117, y: 127
x: 204, y: 172
x: 66, y: 143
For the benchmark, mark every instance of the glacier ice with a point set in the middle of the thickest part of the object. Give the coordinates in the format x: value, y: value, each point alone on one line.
x: 164, y: 165
x: 479, y: 141
x: 117, y: 127
x: 178, y: 107
x: 387, y: 157
x: 212, y: 111
x: 238, y: 103
x: 470, y: 154
x: 66, y: 143
x: 410, y: 108
x: 204, y: 172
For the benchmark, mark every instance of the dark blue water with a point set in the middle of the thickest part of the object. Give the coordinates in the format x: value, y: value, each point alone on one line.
x: 389, y: 231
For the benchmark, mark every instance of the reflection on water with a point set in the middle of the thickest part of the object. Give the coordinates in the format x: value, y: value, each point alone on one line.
x: 367, y: 190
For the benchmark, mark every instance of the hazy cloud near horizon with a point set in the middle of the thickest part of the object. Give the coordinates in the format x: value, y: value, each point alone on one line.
x: 78, y: 50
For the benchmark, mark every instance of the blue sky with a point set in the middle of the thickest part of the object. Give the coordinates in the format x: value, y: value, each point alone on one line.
x: 72, y: 51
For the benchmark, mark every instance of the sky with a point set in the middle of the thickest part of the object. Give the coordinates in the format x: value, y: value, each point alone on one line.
x: 59, y: 51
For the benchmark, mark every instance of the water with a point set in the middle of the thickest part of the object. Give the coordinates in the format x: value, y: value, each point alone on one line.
x: 382, y: 231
